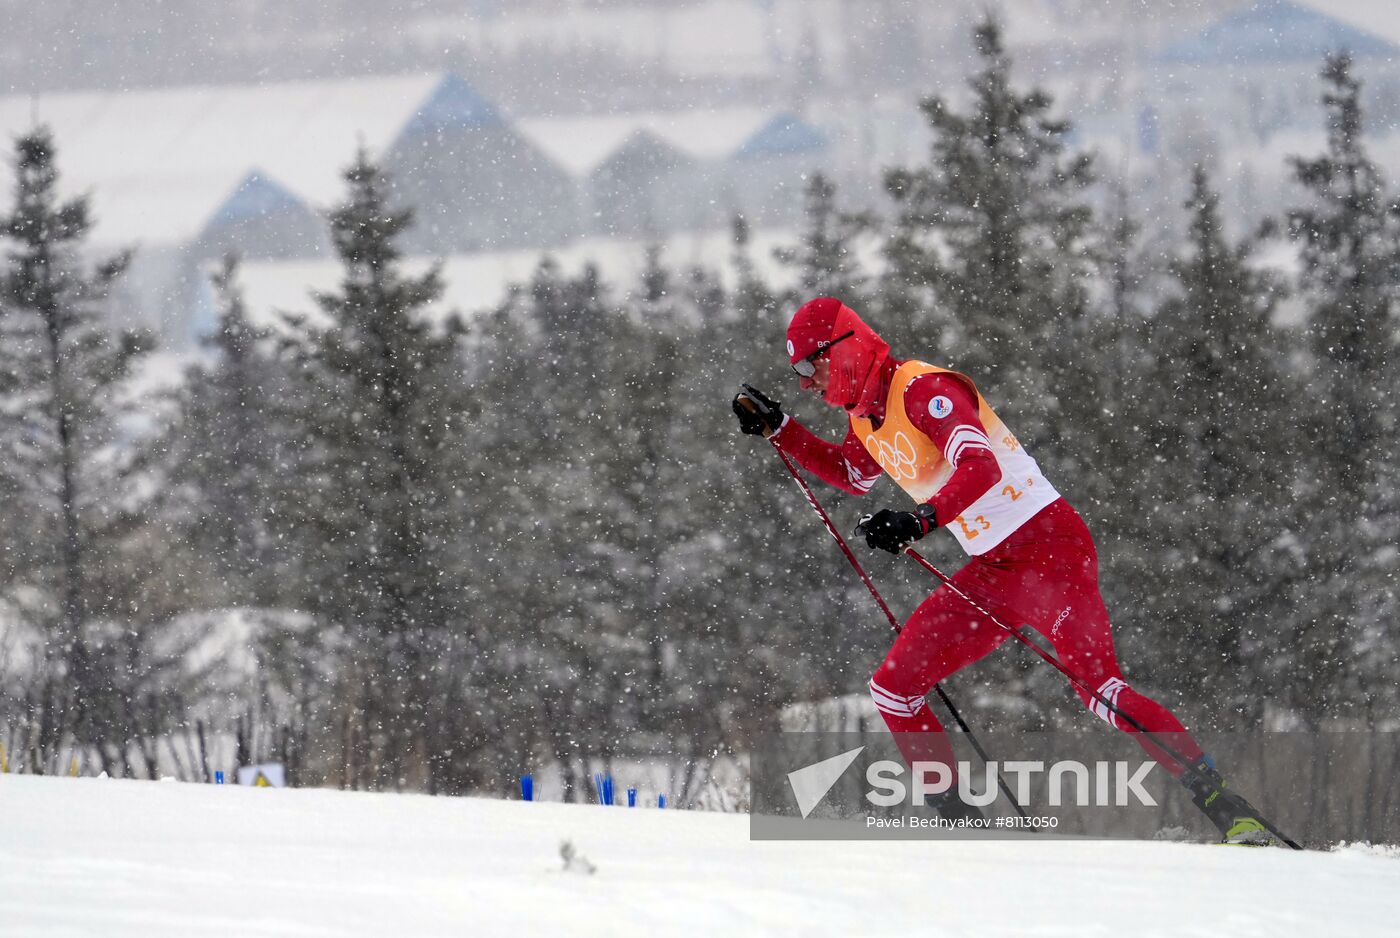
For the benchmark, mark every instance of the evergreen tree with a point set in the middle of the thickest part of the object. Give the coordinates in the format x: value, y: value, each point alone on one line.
x: 502, y: 548
x: 826, y: 257
x: 1216, y: 420
x: 64, y: 368
x: 1349, y: 240
x: 752, y: 296
x: 570, y: 529
x: 229, y: 458
x: 385, y: 440
x: 993, y: 240
x: 1115, y: 494
x: 1123, y: 361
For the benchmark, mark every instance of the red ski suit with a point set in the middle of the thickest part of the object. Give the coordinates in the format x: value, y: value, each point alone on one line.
x: 1044, y: 574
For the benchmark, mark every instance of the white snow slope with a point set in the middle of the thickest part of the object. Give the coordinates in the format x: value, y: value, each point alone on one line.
x: 116, y: 858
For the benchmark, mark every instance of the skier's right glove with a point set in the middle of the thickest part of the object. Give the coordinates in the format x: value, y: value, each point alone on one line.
x: 893, y: 531
x: 757, y: 412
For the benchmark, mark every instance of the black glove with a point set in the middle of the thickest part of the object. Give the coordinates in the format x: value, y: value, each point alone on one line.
x: 757, y: 412
x: 893, y: 531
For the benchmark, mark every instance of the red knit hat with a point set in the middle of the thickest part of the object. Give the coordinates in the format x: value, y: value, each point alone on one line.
x: 811, y: 327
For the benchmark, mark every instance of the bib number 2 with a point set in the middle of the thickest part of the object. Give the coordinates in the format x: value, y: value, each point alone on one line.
x: 979, y: 523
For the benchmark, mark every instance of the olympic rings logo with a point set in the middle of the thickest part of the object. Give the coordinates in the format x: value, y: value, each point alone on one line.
x: 896, y: 458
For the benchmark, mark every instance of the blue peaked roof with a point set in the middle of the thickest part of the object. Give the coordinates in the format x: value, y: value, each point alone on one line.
x: 255, y: 197
x: 1274, y: 31
x: 784, y: 135
x: 453, y: 105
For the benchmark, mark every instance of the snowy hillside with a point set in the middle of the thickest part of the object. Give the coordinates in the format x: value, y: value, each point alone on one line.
x: 114, y: 858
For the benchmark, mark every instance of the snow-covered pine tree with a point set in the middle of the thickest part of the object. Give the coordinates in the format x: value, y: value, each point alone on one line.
x: 498, y: 709
x: 564, y: 392
x: 825, y: 256
x: 1349, y: 238
x: 993, y: 240
x: 72, y: 453
x: 1348, y: 235
x: 751, y: 297
x: 1217, y: 430
x: 386, y: 430
x: 228, y: 459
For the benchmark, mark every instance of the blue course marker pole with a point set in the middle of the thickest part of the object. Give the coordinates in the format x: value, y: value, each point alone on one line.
x: 527, y: 787
x: 218, y: 778
x: 608, y: 790
x: 661, y: 801
x: 631, y: 797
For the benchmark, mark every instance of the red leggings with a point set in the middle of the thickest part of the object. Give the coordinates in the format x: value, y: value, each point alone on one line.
x: 1045, y: 575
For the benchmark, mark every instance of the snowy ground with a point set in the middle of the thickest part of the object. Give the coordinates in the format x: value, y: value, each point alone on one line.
x: 99, y: 857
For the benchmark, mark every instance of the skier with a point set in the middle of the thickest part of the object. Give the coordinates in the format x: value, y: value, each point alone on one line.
x: 1033, y: 559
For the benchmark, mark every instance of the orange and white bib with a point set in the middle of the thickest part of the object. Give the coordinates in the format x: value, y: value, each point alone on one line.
x: 918, y: 466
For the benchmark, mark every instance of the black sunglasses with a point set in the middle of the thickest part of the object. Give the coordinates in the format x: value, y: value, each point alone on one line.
x: 806, y: 367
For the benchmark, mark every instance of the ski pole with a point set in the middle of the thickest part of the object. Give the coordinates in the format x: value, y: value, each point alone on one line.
x: 1084, y: 686
x: 894, y: 623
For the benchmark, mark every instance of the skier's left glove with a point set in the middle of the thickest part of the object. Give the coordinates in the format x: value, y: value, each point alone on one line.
x: 893, y: 531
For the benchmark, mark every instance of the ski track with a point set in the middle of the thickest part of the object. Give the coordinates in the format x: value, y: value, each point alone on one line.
x: 83, y: 857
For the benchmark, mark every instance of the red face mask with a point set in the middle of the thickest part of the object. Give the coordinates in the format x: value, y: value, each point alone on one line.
x: 856, y: 362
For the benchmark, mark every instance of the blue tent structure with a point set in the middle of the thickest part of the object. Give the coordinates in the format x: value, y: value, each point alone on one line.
x: 453, y: 106
x: 767, y: 172
x: 644, y: 187
x: 261, y: 218
x: 784, y: 135
x: 255, y: 197
x: 1274, y: 31
x: 473, y: 180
